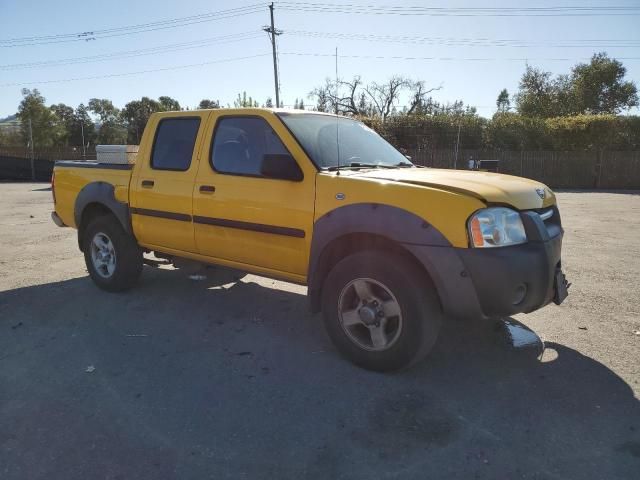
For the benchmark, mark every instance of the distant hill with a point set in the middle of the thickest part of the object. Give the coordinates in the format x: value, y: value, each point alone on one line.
x: 10, y: 118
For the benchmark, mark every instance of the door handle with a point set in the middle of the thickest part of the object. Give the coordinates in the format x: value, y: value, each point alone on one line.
x: 147, y: 183
x: 207, y: 189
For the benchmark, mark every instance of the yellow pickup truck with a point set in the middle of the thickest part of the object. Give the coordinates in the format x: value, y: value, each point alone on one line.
x: 387, y: 249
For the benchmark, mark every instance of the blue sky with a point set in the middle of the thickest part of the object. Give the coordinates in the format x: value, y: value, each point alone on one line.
x: 476, y: 82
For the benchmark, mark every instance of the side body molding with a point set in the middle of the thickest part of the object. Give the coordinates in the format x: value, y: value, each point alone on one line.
x: 431, y: 249
x: 103, y: 193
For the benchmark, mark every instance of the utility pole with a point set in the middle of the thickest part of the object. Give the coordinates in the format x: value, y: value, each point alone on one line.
x: 33, y: 161
x: 84, y: 152
x: 272, y: 35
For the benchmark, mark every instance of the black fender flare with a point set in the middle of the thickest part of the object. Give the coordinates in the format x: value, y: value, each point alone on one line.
x: 455, y: 288
x: 104, y: 194
x: 393, y: 223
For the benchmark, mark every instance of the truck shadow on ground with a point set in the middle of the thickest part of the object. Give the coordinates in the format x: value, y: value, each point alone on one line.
x: 223, y: 378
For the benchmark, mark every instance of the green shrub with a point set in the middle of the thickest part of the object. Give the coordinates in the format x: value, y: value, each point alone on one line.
x: 510, y: 131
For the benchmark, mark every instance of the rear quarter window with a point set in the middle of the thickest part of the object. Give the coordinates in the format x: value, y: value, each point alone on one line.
x: 174, y: 143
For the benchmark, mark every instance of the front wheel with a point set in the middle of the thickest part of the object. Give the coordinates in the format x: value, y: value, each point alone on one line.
x: 380, y: 310
x: 113, y: 258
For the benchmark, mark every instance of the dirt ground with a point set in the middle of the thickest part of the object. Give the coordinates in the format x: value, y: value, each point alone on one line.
x: 233, y: 378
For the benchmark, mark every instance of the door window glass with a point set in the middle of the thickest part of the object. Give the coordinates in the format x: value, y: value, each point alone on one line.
x: 241, y: 143
x: 174, y: 143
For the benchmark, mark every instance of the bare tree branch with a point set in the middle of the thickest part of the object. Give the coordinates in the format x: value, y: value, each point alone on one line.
x: 419, y: 98
x: 385, y: 95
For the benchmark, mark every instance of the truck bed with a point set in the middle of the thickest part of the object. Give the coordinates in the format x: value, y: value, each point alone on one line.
x: 72, y: 176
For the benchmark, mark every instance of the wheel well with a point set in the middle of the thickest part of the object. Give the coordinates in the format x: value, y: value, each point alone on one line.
x: 346, y: 245
x: 90, y: 212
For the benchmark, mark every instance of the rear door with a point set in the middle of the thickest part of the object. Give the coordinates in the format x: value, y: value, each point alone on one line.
x: 162, y: 188
x: 240, y: 215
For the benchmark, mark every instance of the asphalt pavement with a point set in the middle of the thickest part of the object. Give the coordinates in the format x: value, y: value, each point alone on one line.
x: 232, y: 377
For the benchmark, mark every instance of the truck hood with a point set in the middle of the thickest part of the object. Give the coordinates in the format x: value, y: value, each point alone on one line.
x: 518, y: 192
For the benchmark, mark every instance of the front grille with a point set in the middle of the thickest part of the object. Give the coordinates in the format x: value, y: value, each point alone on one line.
x: 546, y: 214
x: 551, y: 219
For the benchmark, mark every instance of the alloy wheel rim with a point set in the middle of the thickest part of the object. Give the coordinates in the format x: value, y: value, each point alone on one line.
x: 103, y: 255
x: 370, y: 314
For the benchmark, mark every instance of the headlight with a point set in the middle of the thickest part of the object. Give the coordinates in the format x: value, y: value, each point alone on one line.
x: 496, y: 227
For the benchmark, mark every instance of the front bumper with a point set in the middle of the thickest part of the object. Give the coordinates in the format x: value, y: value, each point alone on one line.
x: 517, y: 279
x: 490, y: 282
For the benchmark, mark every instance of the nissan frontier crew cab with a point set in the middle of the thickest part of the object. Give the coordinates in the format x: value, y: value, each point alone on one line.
x: 386, y: 248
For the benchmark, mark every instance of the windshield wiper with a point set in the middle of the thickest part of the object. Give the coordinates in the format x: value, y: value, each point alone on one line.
x: 355, y: 165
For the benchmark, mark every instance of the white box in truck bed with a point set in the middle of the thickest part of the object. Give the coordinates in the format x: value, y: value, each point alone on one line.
x: 116, y: 153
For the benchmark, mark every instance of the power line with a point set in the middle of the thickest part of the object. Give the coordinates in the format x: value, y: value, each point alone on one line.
x: 411, y: 39
x: 462, y: 59
x: 124, y: 74
x: 461, y: 41
x: 308, y: 54
x: 132, y: 29
x: 139, y: 52
x: 558, y: 11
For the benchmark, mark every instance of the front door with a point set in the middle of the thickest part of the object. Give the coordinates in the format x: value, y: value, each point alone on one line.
x: 162, y: 190
x: 243, y: 216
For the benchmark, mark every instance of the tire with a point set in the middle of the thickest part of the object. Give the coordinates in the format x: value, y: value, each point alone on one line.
x: 398, y: 323
x: 114, y: 260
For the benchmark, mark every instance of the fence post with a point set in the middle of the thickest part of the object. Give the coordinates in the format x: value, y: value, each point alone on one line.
x: 33, y: 161
x: 521, y: 163
x: 598, y: 171
x: 455, y: 160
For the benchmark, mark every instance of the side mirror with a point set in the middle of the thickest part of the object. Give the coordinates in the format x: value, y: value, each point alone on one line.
x: 281, y: 166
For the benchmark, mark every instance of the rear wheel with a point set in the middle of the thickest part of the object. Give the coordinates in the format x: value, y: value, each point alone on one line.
x: 381, y: 311
x: 113, y: 258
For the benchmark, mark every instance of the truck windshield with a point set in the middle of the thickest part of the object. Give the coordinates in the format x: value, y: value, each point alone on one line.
x: 359, y: 145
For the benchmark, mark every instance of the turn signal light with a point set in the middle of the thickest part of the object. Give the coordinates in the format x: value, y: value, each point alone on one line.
x: 476, y: 233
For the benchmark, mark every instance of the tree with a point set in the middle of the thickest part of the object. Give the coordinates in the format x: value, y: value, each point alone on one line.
x: 268, y: 103
x: 83, y: 128
x: 535, y: 96
x: 206, y: 104
x: 10, y: 131
x: 73, y: 125
x: 594, y: 88
x: 45, y: 127
x: 503, y: 103
x: 112, y: 129
x: 328, y: 98
x: 168, y: 104
x: 64, y: 118
x: 419, y: 99
x: 385, y: 95
x: 136, y: 113
x: 244, y: 101
x: 599, y: 86
x: 541, y: 95
x: 323, y: 97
